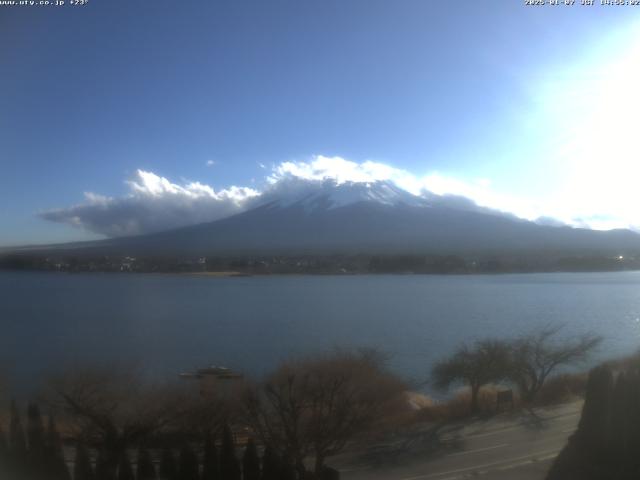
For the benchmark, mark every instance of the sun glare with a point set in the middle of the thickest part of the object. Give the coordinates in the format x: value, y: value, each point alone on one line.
x: 602, y: 152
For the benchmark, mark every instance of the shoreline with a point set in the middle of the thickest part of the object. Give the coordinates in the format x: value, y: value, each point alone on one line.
x: 226, y: 274
x: 233, y: 273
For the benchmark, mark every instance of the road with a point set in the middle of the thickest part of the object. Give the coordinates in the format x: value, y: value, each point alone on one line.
x: 518, y: 446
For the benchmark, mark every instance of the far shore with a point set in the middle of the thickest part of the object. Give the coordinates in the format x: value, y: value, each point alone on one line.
x: 218, y: 274
x: 227, y: 274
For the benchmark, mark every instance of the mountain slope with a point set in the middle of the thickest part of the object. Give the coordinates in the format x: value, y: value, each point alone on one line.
x: 324, y: 217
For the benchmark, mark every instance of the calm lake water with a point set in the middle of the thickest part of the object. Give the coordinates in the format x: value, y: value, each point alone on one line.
x: 166, y: 324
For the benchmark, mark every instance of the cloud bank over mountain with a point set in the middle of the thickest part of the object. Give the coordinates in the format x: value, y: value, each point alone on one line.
x: 154, y: 203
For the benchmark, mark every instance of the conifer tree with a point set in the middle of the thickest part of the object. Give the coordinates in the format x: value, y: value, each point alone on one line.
x: 17, y: 442
x: 210, y: 465
x: 4, y: 446
x: 592, y: 429
x: 104, y: 468
x: 55, y: 463
x: 145, y: 470
x: 270, y: 464
x: 250, y: 462
x: 35, y: 432
x: 36, y: 451
x: 125, y: 472
x: 229, y: 465
x: 168, y: 467
x: 287, y: 471
x: 618, y: 419
x: 188, y: 464
x: 82, y: 469
x: 633, y: 409
x: 17, y: 462
x: 4, y: 454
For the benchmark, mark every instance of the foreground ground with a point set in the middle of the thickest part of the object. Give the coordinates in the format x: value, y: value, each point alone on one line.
x: 515, y: 446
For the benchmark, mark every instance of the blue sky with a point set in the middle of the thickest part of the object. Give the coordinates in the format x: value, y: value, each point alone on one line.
x: 527, y: 109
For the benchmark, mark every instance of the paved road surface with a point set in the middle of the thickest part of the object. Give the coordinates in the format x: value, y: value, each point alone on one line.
x: 508, y: 446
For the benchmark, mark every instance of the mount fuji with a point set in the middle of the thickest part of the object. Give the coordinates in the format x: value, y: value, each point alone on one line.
x: 297, y: 216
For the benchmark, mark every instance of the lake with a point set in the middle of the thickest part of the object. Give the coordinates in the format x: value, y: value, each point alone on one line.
x: 166, y: 324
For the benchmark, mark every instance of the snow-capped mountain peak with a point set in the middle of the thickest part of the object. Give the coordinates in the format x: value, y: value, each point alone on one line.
x: 328, y: 194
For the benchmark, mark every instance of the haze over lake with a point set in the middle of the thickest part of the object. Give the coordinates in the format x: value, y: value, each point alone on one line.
x: 167, y: 324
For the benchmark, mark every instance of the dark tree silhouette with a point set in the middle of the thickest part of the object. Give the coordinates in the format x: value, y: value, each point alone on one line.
x: 485, y: 362
x: 145, y: 469
x: 188, y: 464
x: 208, y: 411
x: 595, y: 412
x: 210, y: 465
x: 56, y: 465
x: 620, y: 421
x: 125, y: 472
x: 17, y: 442
x: 36, y: 462
x: 168, y: 467
x: 287, y: 469
x: 35, y: 434
x: 4, y: 455
x: 229, y: 465
x: 105, y: 470
x: 4, y: 446
x: 537, y: 355
x: 251, y: 462
x: 115, y: 408
x: 315, y: 406
x: 82, y: 469
x: 271, y: 464
x: 605, y: 445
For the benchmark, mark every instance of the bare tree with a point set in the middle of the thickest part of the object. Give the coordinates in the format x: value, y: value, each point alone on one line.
x: 113, y: 410
x: 313, y: 407
x: 535, y: 356
x: 206, y: 414
x: 484, y: 362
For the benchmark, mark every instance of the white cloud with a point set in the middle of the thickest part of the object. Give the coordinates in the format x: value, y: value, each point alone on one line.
x: 566, y: 207
x: 341, y: 170
x: 210, y: 163
x: 153, y: 204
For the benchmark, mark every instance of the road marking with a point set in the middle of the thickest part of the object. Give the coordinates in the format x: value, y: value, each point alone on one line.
x: 477, y: 450
x: 532, y: 457
x: 478, y: 473
x: 527, y: 462
x: 494, y: 432
x: 506, y: 429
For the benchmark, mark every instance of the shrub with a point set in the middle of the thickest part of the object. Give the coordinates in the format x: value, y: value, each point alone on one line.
x: 457, y: 407
x: 562, y: 388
